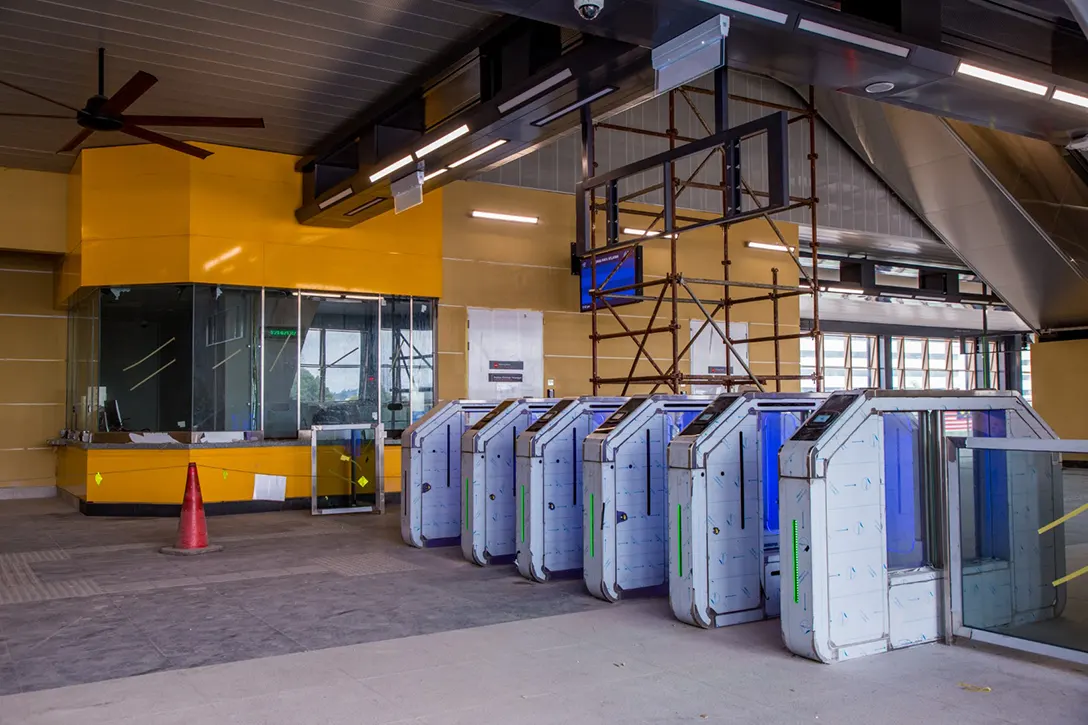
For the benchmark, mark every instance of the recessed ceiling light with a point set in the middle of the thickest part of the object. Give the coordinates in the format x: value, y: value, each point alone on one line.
x: 338, y: 196
x: 755, y: 11
x: 439, y: 143
x: 880, y: 87
x: 830, y: 31
x: 504, y: 217
x: 477, y: 154
x: 1067, y: 97
x: 845, y: 290
x: 770, y: 247
x: 364, y: 207
x: 1001, y: 79
x: 390, y: 169
x: 540, y: 88
x: 574, y: 106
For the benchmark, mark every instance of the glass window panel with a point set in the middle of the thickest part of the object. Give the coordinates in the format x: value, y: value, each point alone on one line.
x: 280, y: 364
x: 82, y: 396
x: 860, y: 347
x: 226, y: 349
x: 938, y: 354
x: 396, y: 365
x: 341, y: 385
x: 863, y: 378
x: 914, y: 380
x: 913, y: 354
x: 424, y: 357
x: 835, y: 350
x: 146, y: 357
x: 939, y: 380
x: 960, y: 380
x: 835, y: 379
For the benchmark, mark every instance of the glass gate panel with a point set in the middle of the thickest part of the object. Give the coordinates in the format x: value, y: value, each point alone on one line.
x: 346, y: 469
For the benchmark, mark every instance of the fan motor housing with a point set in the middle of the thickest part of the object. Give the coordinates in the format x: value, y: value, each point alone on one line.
x: 92, y: 117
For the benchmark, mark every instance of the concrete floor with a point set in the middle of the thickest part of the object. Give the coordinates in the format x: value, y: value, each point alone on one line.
x: 330, y: 620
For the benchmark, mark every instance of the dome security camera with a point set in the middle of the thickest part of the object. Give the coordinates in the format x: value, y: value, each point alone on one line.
x: 589, y: 9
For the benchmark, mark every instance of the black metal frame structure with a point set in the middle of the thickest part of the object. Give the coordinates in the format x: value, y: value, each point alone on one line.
x: 675, y: 288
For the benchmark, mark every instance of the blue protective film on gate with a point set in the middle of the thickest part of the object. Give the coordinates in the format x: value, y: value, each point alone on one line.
x: 901, y: 468
x: 597, y: 419
x: 992, y: 491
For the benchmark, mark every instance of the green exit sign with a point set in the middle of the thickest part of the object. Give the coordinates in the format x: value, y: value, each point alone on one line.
x: 280, y: 331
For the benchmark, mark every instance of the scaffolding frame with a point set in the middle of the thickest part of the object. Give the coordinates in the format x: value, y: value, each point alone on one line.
x: 676, y: 288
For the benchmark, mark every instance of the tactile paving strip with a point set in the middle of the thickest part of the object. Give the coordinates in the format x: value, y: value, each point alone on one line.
x: 364, y: 564
x: 46, y: 591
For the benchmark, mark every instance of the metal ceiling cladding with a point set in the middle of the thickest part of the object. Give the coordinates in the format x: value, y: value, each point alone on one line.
x: 1036, y: 41
x: 304, y: 67
x: 1008, y: 206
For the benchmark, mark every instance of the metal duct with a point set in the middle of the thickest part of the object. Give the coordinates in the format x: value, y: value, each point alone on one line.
x: 1009, y: 206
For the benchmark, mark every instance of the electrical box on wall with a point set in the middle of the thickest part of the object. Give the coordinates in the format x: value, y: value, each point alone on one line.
x: 691, y: 55
x: 408, y: 190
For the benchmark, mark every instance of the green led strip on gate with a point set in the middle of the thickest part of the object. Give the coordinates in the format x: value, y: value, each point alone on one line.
x: 796, y: 581
x: 679, y: 542
x: 523, y: 514
x: 592, y: 527
x: 468, y: 492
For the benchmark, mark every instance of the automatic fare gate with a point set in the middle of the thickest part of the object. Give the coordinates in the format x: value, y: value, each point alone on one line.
x: 487, y: 464
x: 864, y: 512
x: 431, y: 472
x: 624, y: 525
x: 723, y: 507
x: 549, y: 478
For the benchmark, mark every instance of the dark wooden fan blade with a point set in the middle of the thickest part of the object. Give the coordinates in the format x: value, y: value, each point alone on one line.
x: 194, y: 121
x: 35, y: 115
x: 37, y: 95
x: 76, y: 140
x: 127, y: 94
x: 166, y: 141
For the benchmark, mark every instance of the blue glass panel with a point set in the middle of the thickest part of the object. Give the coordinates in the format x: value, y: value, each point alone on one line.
x: 901, y: 490
x: 992, y: 494
x: 774, y: 429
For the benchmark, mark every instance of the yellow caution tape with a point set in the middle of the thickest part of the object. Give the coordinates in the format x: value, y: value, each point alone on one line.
x: 98, y: 478
x: 1069, y: 577
x: 974, y: 688
x: 1063, y: 519
x: 344, y: 458
x: 362, y: 481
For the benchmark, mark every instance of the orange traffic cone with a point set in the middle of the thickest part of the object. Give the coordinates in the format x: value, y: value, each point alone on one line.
x: 192, y: 529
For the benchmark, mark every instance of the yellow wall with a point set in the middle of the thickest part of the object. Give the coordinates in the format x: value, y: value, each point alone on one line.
x: 32, y: 369
x: 149, y: 215
x: 33, y: 210
x: 504, y: 265
x: 1059, y: 388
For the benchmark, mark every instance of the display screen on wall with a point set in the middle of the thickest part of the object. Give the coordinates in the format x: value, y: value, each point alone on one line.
x: 627, y: 267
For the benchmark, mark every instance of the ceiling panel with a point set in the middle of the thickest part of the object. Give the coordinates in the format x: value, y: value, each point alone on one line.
x: 304, y: 67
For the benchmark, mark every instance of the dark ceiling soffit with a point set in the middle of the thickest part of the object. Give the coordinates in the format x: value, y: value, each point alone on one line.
x: 349, y: 130
x: 596, y: 63
x: 926, y: 80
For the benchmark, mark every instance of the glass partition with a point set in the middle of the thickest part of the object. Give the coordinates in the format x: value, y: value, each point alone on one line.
x: 423, y: 356
x: 83, y: 390
x: 226, y: 353
x: 339, y: 361
x: 346, y: 469
x: 281, y: 347
x: 397, y: 368
x: 1021, y: 560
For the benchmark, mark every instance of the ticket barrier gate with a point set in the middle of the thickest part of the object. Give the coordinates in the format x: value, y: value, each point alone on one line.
x: 723, y: 507
x: 549, y: 480
x: 624, y: 524
x: 431, y: 472
x: 489, y: 534
x: 864, y: 516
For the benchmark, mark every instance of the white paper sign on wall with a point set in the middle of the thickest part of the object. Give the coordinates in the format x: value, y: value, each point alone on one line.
x: 505, y: 354
x: 708, y: 354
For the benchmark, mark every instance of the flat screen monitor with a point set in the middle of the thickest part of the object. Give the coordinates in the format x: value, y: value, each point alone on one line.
x: 627, y: 265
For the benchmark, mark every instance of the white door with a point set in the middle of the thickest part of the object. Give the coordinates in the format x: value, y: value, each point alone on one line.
x: 505, y: 354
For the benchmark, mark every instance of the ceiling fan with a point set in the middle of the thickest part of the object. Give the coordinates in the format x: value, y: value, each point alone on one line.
x: 104, y: 113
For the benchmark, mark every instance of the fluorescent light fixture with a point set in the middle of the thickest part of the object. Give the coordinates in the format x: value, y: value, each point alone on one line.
x: 364, y: 207
x: 845, y: 290
x: 477, y: 214
x: 390, y: 169
x: 1067, y: 97
x: 755, y: 11
x: 540, y: 88
x: 644, y: 233
x: 433, y: 174
x: 830, y: 31
x: 477, y: 154
x: 1001, y: 79
x: 771, y: 247
x: 574, y: 106
x: 439, y: 143
x: 338, y: 196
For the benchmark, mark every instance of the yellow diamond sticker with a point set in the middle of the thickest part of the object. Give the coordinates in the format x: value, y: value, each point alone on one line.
x: 224, y: 474
x: 362, y: 481
x: 345, y: 458
x: 98, y: 478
